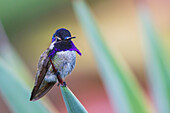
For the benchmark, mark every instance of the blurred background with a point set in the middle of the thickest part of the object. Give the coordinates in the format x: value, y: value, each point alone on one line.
x: 30, y: 25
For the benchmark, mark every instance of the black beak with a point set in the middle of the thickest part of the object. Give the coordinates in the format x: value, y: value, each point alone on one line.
x: 73, y: 37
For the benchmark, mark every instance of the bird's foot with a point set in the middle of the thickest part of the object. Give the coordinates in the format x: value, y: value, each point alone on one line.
x: 60, y: 80
x: 58, y: 84
x: 62, y: 84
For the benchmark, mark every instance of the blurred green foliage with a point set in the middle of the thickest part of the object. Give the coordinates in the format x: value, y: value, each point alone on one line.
x: 14, y: 19
x: 16, y: 93
x: 156, y: 62
x: 123, y: 90
x: 16, y: 80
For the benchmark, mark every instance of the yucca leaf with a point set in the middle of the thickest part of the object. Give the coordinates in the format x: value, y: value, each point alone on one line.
x: 123, y: 90
x: 15, y: 63
x: 73, y: 105
x: 16, y: 93
x: 157, y: 67
x: 9, y: 54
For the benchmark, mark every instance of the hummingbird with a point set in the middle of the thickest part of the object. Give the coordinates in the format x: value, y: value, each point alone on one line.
x: 55, y: 63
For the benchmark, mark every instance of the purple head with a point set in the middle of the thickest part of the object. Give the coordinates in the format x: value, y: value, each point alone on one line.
x: 63, y: 42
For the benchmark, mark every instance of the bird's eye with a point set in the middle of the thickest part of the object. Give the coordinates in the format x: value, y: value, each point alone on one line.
x: 58, y: 39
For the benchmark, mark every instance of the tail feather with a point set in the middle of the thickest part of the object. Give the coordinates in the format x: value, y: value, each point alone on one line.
x: 41, y: 92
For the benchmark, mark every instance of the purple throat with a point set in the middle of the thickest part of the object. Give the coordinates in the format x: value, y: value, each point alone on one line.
x: 63, y: 46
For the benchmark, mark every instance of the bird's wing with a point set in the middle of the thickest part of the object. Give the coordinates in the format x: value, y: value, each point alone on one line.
x: 42, y: 91
x: 43, y: 66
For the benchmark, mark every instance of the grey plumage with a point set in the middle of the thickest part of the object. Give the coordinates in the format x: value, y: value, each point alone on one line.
x: 64, y: 61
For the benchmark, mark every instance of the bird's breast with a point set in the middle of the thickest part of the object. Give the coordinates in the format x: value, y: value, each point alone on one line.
x: 64, y: 61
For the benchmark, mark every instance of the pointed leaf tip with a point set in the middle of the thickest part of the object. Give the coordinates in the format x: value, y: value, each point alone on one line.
x: 73, y: 105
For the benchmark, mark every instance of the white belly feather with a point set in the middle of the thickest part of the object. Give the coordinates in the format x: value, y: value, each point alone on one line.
x: 64, y: 62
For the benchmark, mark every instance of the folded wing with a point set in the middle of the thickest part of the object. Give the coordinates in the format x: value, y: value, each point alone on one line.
x: 41, y: 87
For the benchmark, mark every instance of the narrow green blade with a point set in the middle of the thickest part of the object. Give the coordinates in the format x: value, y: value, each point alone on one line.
x: 16, y: 93
x: 157, y: 67
x: 123, y: 90
x: 14, y: 61
x: 73, y: 105
x: 9, y: 54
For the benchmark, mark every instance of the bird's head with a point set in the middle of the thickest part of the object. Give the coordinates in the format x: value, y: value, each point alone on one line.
x: 61, y: 41
x: 62, y: 34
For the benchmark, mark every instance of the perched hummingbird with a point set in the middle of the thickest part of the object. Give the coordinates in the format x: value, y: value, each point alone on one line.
x: 55, y: 63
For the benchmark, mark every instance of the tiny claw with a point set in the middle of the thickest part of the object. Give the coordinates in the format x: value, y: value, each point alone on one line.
x: 64, y: 84
x: 58, y: 84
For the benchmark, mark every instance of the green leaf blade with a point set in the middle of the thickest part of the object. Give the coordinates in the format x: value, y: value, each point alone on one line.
x: 11, y: 59
x: 73, y: 105
x: 157, y: 65
x: 16, y: 93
